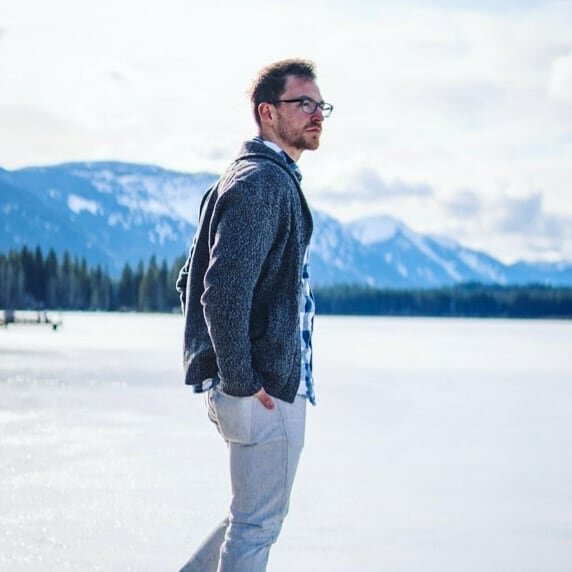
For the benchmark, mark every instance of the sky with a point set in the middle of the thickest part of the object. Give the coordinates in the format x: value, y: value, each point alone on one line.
x: 452, y: 116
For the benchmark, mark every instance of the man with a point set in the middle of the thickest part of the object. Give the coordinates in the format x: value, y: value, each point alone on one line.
x: 249, y: 311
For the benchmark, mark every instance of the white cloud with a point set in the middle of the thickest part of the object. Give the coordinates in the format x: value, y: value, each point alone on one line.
x: 516, y: 227
x: 435, y: 95
x: 464, y: 204
x: 366, y: 184
x: 560, y: 82
x: 523, y: 214
x: 526, y: 219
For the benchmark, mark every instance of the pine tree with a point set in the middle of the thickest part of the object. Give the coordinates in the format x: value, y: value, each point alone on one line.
x: 127, y: 293
x: 148, y: 289
x: 51, y: 274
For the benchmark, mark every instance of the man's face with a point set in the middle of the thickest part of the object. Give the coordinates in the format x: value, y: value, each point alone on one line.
x: 297, y: 130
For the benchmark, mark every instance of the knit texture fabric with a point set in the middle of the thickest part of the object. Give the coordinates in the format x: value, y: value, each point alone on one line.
x: 240, y: 286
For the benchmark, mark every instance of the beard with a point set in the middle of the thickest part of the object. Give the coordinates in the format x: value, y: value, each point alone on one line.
x: 299, y: 137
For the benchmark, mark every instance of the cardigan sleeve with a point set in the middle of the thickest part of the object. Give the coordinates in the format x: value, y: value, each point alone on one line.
x: 243, y: 228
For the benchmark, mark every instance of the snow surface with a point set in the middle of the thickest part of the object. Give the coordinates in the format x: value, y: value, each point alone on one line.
x: 444, y: 241
x: 436, y: 445
x: 479, y: 264
x: 421, y: 243
x: 78, y: 204
x: 377, y: 228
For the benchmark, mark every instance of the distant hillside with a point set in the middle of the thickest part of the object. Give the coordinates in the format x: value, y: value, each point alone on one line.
x: 112, y: 213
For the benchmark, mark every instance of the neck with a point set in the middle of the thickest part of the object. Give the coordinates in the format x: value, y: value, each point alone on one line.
x: 292, y: 152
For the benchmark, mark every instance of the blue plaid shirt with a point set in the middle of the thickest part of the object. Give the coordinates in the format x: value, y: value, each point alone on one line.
x: 307, y: 312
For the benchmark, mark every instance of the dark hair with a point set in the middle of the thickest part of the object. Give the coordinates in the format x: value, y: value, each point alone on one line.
x: 270, y: 82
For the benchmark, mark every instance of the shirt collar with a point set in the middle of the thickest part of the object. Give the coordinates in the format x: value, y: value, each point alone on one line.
x: 291, y: 163
x: 269, y: 144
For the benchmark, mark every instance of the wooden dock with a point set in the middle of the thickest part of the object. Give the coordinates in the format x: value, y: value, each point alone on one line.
x: 28, y: 317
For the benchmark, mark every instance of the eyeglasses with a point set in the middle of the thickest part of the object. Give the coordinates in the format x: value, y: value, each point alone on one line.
x: 309, y: 105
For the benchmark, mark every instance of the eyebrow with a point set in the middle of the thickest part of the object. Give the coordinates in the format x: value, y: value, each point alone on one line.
x: 307, y: 97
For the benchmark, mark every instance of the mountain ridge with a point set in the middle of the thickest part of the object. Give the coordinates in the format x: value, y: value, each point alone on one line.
x: 114, y: 212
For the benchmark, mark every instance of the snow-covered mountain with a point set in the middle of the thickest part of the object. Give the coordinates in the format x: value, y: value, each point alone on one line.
x: 113, y: 213
x: 422, y: 260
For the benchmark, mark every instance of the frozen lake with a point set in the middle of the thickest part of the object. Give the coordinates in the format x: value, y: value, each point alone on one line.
x: 436, y: 446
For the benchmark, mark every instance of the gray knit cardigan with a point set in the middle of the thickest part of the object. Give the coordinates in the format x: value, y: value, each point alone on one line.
x: 240, y: 286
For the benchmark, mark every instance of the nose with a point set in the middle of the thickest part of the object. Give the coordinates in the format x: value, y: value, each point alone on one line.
x: 318, y: 114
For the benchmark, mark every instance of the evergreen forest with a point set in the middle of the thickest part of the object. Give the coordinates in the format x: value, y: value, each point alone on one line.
x: 32, y: 280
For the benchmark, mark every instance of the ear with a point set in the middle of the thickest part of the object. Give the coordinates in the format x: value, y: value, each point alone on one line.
x: 266, y: 112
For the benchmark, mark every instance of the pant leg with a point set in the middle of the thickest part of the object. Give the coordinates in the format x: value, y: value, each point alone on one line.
x: 264, y: 447
x: 206, y: 557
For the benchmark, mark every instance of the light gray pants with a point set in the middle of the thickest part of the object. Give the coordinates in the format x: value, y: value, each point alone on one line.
x: 264, y: 446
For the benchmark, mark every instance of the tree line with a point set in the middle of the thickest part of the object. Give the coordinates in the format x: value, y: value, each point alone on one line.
x: 31, y: 280
x: 464, y: 300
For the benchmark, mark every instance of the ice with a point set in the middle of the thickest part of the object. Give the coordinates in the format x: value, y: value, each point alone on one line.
x: 436, y: 445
